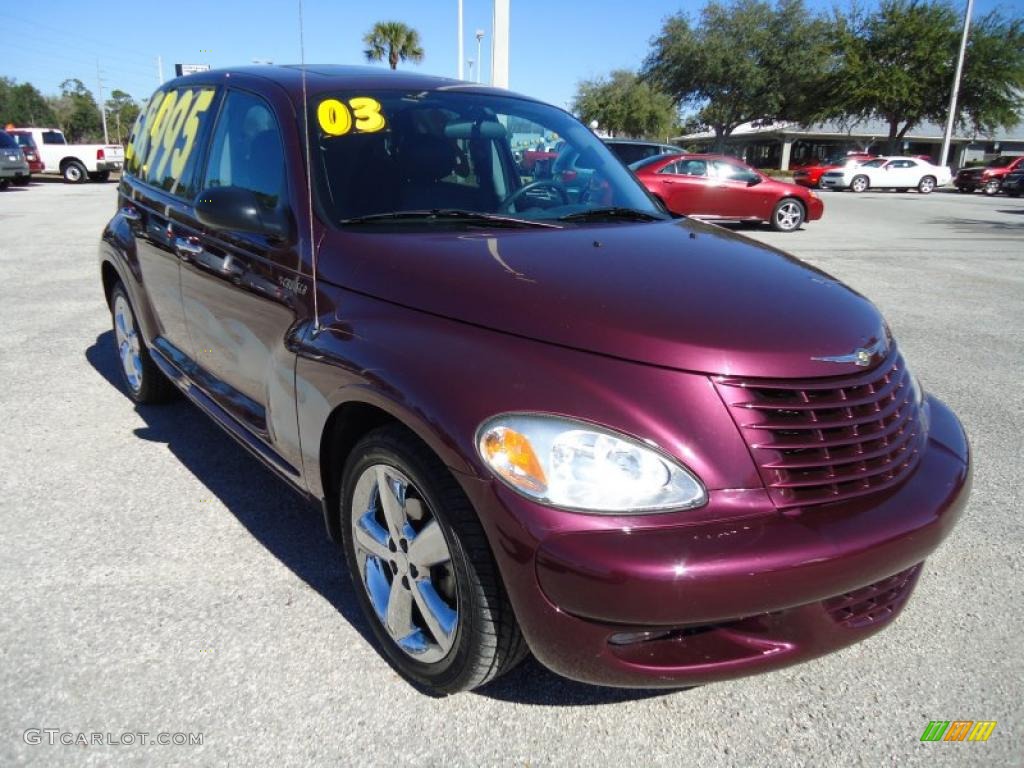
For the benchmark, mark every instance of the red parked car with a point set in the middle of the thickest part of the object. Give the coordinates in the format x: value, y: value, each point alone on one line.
x: 809, y: 175
x: 720, y: 188
x: 28, y: 148
x: 988, y: 177
x: 652, y: 452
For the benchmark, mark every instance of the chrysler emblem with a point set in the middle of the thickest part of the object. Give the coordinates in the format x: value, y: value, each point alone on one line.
x: 861, y: 357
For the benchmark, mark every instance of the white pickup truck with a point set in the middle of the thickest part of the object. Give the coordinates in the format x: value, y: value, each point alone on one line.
x: 76, y: 162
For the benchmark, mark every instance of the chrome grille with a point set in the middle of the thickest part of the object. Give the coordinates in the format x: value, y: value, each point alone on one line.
x: 821, y: 440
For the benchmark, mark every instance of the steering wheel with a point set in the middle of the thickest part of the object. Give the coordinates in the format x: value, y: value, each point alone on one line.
x: 506, y: 205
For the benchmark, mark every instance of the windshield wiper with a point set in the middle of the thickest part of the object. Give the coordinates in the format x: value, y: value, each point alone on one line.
x: 626, y: 214
x: 440, y: 214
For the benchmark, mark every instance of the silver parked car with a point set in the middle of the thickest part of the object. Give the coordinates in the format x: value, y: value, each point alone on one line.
x: 13, y: 165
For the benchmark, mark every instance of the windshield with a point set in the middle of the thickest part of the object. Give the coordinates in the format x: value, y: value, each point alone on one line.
x: 392, y: 152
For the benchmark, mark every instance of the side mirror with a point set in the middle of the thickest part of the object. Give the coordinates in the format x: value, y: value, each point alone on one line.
x: 234, y: 209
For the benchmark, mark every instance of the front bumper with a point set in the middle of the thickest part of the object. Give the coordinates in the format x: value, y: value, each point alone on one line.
x: 833, y: 182
x: 747, y: 590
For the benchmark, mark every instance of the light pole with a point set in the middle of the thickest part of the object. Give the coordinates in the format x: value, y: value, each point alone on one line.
x: 479, y: 37
x: 948, y: 137
x: 461, y: 53
x: 469, y: 63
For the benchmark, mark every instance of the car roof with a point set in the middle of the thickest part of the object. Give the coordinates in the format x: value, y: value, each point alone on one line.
x: 640, y: 142
x: 322, y: 78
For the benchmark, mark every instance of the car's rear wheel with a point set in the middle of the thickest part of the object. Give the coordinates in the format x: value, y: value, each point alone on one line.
x: 5, y: 183
x: 991, y: 187
x: 926, y: 185
x: 22, y: 181
x: 859, y: 183
x: 788, y: 215
x: 73, y: 172
x: 423, y: 569
x: 142, y: 379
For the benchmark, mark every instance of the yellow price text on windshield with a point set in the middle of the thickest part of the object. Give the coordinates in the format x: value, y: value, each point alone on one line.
x: 361, y: 113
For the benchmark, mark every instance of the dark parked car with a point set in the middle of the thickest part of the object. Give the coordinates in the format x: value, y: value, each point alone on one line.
x: 719, y: 188
x: 988, y: 177
x: 31, y: 152
x: 649, y: 450
x: 13, y: 165
x: 1013, y: 184
x: 631, y: 150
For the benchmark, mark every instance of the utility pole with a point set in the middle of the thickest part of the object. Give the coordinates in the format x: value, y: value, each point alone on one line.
x: 103, y: 106
x: 159, y: 70
x: 955, y: 94
x: 461, y: 52
x: 499, y: 44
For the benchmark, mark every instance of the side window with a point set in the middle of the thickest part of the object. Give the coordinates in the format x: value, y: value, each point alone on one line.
x: 731, y: 172
x: 165, y: 143
x: 246, y: 149
x: 693, y: 167
x: 672, y: 168
x: 52, y: 137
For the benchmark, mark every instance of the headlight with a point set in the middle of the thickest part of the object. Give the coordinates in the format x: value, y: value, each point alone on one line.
x: 580, y: 466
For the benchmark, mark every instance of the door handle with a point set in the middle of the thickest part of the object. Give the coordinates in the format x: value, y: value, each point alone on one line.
x: 187, y: 248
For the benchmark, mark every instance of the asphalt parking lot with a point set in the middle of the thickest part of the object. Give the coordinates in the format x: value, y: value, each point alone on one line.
x: 156, y: 579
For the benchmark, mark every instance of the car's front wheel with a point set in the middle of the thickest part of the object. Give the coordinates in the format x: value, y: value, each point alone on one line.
x: 142, y: 379
x: 991, y: 187
x: 788, y: 215
x: 422, y: 567
x: 859, y: 183
x: 926, y: 185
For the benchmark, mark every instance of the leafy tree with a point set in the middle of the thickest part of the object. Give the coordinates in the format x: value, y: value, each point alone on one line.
x: 23, y: 104
x: 742, y: 61
x: 394, y: 41
x: 76, y: 111
x: 123, y: 110
x: 897, y: 64
x: 623, y: 104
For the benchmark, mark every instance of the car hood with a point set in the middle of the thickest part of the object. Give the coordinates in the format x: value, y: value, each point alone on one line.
x: 678, y: 294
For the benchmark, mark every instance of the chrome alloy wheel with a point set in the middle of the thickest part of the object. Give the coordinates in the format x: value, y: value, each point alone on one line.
x: 404, y: 564
x: 859, y: 184
x: 788, y: 215
x: 128, y: 345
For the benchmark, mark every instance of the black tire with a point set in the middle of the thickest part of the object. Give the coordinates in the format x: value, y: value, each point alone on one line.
x: 965, y: 190
x: 153, y: 387
x: 927, y: 185
x: 1014, y: 194
x: 99, y: 176
x: 859, y: 183
x: 992, y: 187
x: 4, y: 183
x: 74, y: 172
x: 22, y: 181
x: 487, y: 640
x: 788, y: 215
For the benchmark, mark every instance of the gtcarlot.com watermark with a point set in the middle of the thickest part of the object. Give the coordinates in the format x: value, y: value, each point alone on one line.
x: 54, y: 736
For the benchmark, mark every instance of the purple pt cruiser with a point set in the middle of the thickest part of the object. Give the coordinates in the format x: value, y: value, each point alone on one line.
x: 539, y: 414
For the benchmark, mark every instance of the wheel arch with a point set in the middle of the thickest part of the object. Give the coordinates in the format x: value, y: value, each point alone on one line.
x: 67, y: 160
x: 345, y: 426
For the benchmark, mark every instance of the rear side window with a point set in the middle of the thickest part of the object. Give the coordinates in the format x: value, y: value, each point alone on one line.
x: 24, y: 140
x: 165, y: 143
x: 53, y: 137
x: 693, y: 167
x: 246, y: 149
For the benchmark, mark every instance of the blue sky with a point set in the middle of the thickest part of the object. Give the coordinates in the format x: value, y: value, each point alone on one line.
x: 554, y: 43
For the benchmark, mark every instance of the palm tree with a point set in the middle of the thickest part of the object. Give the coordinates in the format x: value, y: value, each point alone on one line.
x: 394, y: 40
